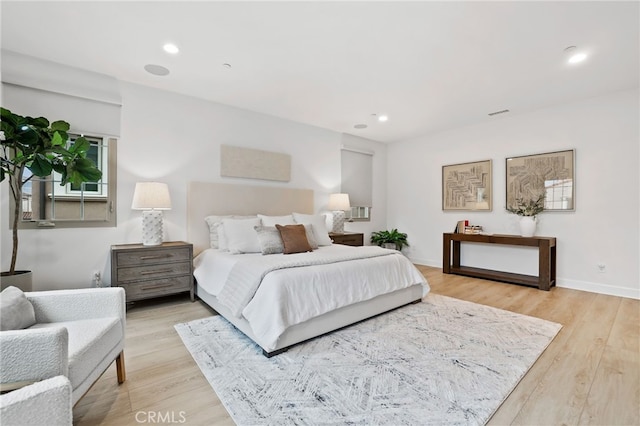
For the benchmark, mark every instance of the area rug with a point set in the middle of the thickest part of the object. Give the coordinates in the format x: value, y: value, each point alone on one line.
x: 442, y: 361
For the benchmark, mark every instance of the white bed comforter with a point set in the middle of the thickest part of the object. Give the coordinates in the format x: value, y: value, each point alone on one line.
x: 292, y: 295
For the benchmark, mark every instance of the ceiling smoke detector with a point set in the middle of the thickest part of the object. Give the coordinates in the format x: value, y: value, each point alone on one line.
x: 156, y: 70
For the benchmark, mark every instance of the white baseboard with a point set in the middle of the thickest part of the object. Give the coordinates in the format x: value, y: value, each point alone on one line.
x: 631, y: 293
x: 628, y: 292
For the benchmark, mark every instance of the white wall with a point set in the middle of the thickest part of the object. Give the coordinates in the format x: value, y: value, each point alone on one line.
x: 604, y: 228
x: 176, y: 139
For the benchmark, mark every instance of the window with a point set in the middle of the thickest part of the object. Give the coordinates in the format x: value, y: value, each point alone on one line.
x: 98, y: 153
x: 92, y: 204
x: 357, y: 176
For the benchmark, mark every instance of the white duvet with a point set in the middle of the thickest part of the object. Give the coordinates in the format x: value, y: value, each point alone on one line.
x: 291, y: 296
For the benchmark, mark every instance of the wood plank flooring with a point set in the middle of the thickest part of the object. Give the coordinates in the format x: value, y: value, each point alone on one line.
x: 589, y: 374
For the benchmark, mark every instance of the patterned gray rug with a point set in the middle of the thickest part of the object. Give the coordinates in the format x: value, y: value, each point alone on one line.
x: 442, y: 361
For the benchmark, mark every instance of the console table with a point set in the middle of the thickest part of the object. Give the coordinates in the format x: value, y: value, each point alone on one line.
x: 546, y: 259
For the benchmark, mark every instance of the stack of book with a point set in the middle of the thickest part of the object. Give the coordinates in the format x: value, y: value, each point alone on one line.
x: 463, y: 227
x: 473, y: 229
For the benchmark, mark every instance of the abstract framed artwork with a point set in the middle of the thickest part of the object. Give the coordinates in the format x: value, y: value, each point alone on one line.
x: 551, y: 174
x: 467, y: 186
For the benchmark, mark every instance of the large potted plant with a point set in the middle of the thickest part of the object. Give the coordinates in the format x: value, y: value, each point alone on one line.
x: 41, y: 147
x: 394, y: 237
x: 528, y: 211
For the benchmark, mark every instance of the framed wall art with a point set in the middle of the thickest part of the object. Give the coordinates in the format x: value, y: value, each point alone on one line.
x: 552, y: 174
x: 467, y: 186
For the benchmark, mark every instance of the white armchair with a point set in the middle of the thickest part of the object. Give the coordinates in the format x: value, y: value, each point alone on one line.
x: 78, y: 334
x: 43, y: 403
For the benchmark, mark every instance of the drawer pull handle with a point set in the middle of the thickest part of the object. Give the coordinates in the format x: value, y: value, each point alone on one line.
x: 157, y: 256
x: 153, y: 287
x: 159, y: 271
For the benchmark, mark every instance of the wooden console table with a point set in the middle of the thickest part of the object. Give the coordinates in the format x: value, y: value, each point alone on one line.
x: 546, y: 259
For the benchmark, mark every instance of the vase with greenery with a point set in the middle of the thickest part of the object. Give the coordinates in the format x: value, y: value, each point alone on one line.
x: 528, y: 211
x: 530, y: 207
x: 381, y: 238
x: 41, y: 147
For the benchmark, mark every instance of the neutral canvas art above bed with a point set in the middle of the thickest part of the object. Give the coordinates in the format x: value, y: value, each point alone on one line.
x: 250, y: 163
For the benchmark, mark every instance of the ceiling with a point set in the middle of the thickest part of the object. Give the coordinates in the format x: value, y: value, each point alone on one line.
x: 429, y: 66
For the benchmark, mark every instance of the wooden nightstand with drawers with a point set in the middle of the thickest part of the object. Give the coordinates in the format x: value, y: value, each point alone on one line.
x: 348, y: 238
x: 152, y: 271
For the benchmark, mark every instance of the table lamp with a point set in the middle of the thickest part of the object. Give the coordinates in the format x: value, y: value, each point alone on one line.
x: 151, y: 198
x: 338, y: 204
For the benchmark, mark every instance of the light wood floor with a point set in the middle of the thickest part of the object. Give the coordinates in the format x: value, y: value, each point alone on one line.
x: 590, y: 374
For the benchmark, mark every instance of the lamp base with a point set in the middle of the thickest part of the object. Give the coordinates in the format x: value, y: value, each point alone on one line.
x: 152, y: 227
x: 338, y: 222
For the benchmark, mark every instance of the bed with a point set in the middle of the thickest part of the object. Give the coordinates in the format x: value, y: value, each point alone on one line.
x: 280, y: 300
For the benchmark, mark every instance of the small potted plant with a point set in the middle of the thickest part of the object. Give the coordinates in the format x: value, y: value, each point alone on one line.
x: 528, y: 211
x: 41, y: 147
x: 393, y: 237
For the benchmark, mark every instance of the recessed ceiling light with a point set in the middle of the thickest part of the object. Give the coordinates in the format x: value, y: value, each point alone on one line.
x: 574, y: 55
x: 156, y: 70
x: 383, y: 118
x: 360, y: 126
x: 171, y: 48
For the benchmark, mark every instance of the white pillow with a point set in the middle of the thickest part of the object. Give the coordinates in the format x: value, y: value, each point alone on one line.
x: 222, y: 239
x: 15, y: 309
x: 277, y: 220
x: 318, y: 225
x: 241, y: 235
x: 308, y: 229
x: 270, y: 240
x: 215, y: 228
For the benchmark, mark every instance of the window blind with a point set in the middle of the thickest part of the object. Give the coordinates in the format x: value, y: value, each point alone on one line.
x: 357, y: 176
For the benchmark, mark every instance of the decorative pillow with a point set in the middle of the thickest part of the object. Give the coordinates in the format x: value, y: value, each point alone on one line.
x: 241, y: 237
x: 270, y: 240
x: 277, y: 220
x: 16, y: 312
x: 294, y: 239
x: 319, y: 226
x: 215, y: 223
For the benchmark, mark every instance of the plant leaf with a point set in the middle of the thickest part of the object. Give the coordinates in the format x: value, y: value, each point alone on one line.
x: 40, y: 166
x: 40, y: 122
x: 57, y: 139
x: 80, y: 146
x: 60, y: 125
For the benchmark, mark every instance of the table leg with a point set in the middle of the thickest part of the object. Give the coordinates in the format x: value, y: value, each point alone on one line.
x: 446, y: 254
x: 544, y: 266
x: 456, y: 254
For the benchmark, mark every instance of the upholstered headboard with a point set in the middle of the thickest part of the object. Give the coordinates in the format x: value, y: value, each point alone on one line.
x: 210, y: 198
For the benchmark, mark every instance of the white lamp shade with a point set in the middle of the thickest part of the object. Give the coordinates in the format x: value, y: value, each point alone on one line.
x: 339, y: 202
x: 151, y: 196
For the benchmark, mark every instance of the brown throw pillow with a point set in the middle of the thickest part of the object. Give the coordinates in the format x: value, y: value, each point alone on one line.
x: 294, y: 238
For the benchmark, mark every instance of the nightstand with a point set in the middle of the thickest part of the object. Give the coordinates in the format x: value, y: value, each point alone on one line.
x: 348, y: 238
x: 152, y: 271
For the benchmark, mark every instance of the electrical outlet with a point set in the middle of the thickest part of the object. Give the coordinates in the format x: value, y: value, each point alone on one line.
x: 602, y: 268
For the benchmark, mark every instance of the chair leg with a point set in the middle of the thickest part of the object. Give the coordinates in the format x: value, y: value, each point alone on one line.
x: 120, y: 372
